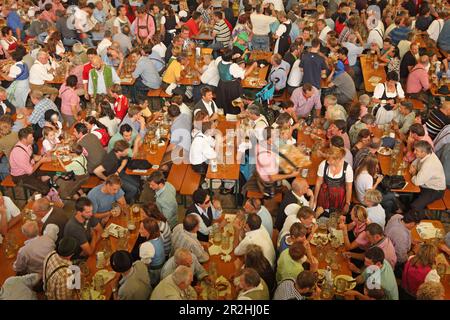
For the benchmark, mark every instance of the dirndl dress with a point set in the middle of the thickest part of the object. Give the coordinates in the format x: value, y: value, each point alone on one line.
x: 228, y: 89
x: 19, y: 89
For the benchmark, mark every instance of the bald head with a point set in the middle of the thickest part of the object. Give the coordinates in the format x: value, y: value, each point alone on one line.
x: 424, y: 60
x: 300, y: 186
x: 97, y: 62
x: 41, y: 207
x: 30, y: 229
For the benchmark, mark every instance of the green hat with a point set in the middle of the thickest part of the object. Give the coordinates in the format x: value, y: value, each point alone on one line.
x: 243, y: 36
x: 67, y: 246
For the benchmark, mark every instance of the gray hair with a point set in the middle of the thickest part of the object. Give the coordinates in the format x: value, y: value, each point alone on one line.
x: 424, y: 146
x: 373, y: 195
x: 41, y: 53
x: 181, y: 254
x: 182, y: 274
x: 251, y: 277
x: 253, y: 109
x: 368, y: 119
x: 30, y: 229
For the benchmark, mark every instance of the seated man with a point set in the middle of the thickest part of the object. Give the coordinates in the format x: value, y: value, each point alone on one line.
x: 6, y: 107
x: 255, y: 206
x: 338, y: 128
x: 183, y: 257
x: 205, y: 211
x: 9, y: 214
x: 115, y: 162
x: 204, y: 148
x: 135, y: 120
x: 207, y: 104
x: 251, y: 232
x: 259, y: 121
x: 306, y: 98
x: 84, y: 228
x: 278, y: 74
x: 176, y: 286
x: 185, y: 236
x: 41, y: 106
x: 428, y: 173
x: 438, y: 118
x: 42, y: 71
x: 24, y: 164
x: 20, y: 287
x: 105, y: 195
x: 305, y: 286
x: 135, y: 279
x: 50, y: 214
x: 374, y: 260
x: 418, y: 82
x: 165, y: 197
x: 30, y: 258
x: 91, y: 144
x: 172, y: 76
x: 146, y: 75
x: 404, y: 117
x: 252, y: 286
x: 180, y: 135
x: 300, y: 189
x: 127, y: 134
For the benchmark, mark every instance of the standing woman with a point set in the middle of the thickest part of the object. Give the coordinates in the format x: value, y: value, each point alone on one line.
x: 282, y: 37
x: 333, y: 189
x: 19, y: 75
x: 229, y: 87
x: 169, y: 24
x: 384, y: 95
x: 121, y: 20
x: 108, y: 118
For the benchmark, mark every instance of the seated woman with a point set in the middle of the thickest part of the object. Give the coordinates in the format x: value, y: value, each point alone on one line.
x: 363, y: 141
x: 384, y: 95
x: 368, y: 178
x: 419, y: 269
x: 358, y: 226
x: 8, y: 41
x: 333, y: 189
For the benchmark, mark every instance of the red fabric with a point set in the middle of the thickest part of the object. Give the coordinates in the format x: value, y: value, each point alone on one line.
x: 193, y: 27
x: 331, y: 197
x: 229, y: 25
x: 338, y: 27
x: 105, y: 136
x: 121, y: 101
x: 86, y: 69
x: 413, y: 277
x: 130, y: 13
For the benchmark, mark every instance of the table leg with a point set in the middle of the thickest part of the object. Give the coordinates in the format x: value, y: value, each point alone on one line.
x: 237, y: 193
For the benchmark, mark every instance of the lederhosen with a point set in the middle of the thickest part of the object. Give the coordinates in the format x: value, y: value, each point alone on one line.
x: 284, y: 41
x: 207, y: 220
x: 332, y: 191
x: 141, y: 27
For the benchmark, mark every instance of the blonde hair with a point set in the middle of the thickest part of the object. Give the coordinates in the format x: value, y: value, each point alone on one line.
x: 426, y: 255
x: 360, y: 213
x: 373, y: 195
x: 430, y: 290
x: 334, y: 153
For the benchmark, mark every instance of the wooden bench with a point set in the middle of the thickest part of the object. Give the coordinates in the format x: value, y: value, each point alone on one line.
x: 258, y: 195
x: 283, y: 98
x: 8, y: 183
x: 176, y: 175
x: 191, y: 182
x: 417, y: 104
x: 154, y: 93
x: 91, y: 183
x: 437, y: 206
x: 447, y: 198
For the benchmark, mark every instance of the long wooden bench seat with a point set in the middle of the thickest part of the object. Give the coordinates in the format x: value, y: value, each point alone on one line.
x: 91, y: 183
x: 437, y: 205
x: 177, y: 174
x: 447, y: 198
x: 191, y: 182
x: 8, y: 183
x: 154, y: 93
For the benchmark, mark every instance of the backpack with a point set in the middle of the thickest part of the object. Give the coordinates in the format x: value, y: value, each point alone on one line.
x: 105, y: 136
x: 266, y: 93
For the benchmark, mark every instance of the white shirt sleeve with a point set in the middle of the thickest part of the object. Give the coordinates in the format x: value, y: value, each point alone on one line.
x: 163, y: 20
x: 115, y: 77
x: 320, y: 169
x: 400, y: 92
x: 12, y: 210
x: 379, y: 90
x: 349, y: 174
x: 14, y: 71
x: 281, y: 29
x: 237, y: 71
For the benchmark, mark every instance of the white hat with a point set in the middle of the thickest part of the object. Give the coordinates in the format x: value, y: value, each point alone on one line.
x: 146, y: 252
x: 51, y: 230
x: 292, y: 209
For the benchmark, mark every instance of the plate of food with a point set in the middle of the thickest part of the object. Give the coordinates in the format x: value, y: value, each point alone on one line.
x: 319, y: 239
x: 385, y: 151
x: 344, y: 283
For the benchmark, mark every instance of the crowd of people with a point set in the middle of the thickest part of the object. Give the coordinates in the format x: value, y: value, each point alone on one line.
x: 315, y: 86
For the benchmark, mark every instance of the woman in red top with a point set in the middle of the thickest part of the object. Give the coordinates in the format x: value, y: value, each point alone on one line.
x: 417, y: 269
x: 8, y: 41
x: 121, y: 103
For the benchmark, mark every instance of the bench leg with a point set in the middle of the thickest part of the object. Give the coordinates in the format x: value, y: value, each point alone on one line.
x: 237, y: 192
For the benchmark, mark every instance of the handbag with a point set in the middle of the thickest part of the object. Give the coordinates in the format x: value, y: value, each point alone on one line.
x: 392, y: 182
x: 139, y: 164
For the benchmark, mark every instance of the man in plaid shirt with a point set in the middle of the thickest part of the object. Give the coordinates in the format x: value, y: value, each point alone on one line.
x: 57, y: 272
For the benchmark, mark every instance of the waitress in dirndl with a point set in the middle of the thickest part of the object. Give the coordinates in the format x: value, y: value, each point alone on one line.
x: 229, y: 87
x: 19, y: 75
x: 333, y: 189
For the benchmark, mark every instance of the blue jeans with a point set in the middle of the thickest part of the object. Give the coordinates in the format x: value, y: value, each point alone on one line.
x: 137, y: 89
x: 260, y: 43
x: 69, y: 42
x: 130, y: 185
x: 4, y: 168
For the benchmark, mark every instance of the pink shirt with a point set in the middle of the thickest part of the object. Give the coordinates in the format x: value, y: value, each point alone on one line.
x: 48, y: 15
x: 69, y: 98
x: 266, y: 164
x: 19, y: 160
x: 78, y: 72
x: 145, y: 27
x: 389, y: 251
x: 418, y: 80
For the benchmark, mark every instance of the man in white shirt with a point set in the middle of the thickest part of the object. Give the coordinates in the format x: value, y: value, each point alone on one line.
x: 261, y: 28
x: 207, y: 104
x: 42, y: 71
x: 254, y: 206
x: 277, y: 4
x: 84, y: 23
x: 253, y: 233
x: 428, y: 173
x: 323, y: 29
x: 376, y: 35
x: 9, y: 214
x: 436, y: 26
x: 203, y: 149
x: 105, y: 43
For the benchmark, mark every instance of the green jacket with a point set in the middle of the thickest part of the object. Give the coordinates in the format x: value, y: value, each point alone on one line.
x: 107, y: 76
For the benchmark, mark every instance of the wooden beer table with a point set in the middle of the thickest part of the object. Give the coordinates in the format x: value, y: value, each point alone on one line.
x: 368, y: 71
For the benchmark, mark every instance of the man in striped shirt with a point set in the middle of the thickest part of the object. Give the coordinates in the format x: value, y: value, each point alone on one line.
x: 438, y: 119
x: 221, y: 32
